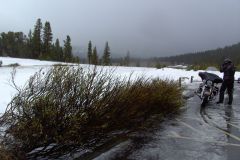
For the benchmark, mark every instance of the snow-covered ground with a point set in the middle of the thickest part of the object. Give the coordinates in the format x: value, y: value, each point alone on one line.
x: 28, y: 67
x: 25, y: 62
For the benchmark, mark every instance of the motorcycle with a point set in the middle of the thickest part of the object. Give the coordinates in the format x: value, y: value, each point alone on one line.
x: 208, y: 89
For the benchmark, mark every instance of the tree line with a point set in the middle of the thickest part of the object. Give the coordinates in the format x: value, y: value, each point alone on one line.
x: 37, y: 44
x: 210, y: 57
x: 93, y: 57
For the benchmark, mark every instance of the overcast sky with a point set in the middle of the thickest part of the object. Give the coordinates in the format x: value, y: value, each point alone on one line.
x: 144, y: 27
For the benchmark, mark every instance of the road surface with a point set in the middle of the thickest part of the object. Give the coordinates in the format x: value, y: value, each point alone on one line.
x: 210, y: 133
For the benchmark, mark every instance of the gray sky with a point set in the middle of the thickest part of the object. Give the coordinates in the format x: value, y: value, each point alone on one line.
x: 144, y: 27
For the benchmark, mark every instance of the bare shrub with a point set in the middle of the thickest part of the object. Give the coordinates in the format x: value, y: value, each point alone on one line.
x: 71, y: 105
x: 6, y: 155
x: 13, y: 65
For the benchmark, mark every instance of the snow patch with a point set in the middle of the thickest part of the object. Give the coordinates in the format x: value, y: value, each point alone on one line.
x: 29, y: 67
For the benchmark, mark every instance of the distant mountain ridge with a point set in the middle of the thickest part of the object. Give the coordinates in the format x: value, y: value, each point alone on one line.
x: 210, y: 57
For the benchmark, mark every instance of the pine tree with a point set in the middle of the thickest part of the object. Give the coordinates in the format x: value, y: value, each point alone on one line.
x: 127, y: 59
x: 106, y: 55
x: 67, y: 51
x: 89, y: 52
x: 58, y: 52
x: 37, y: 41
x: 30, y: 35
x: 47, y: 40
x: 95, y: 56
x: 14, y: 44
x: 30, y: 43
x: 20, y: 44
x: 1, y: 47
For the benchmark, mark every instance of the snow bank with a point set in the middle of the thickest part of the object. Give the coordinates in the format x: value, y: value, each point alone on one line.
x: 25, y: 62
x: 28, y: 67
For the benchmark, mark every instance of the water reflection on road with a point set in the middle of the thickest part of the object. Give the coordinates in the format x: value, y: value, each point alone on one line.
x: 210, y: 133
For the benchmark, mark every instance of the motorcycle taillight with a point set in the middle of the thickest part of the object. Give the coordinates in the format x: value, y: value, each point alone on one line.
x: 207, y: 93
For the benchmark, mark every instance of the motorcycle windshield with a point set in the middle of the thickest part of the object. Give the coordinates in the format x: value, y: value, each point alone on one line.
x: 210, y: 76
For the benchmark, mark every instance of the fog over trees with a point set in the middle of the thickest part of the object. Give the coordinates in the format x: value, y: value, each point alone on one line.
x: 153, y: 28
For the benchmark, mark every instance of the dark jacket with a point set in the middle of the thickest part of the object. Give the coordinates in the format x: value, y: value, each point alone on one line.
x: 228, y: 70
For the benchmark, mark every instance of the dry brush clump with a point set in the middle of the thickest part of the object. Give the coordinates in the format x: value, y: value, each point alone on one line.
x: 71, y: 105
x: 6, y: 155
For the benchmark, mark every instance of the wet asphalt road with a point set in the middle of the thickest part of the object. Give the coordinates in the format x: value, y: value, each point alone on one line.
x: 210, y: 133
